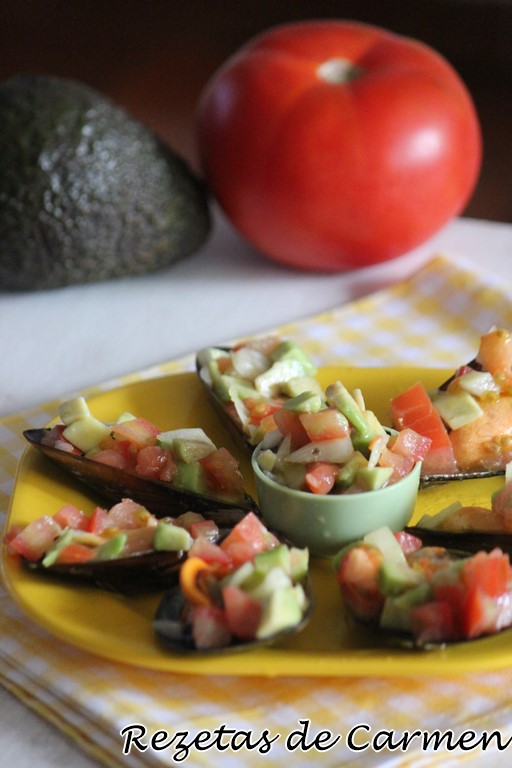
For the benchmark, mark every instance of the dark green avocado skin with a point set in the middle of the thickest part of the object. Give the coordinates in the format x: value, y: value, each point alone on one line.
x: 87, y: 193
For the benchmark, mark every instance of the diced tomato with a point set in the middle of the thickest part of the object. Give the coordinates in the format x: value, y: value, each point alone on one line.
x: 206, y: 528
x: 223, y: 471
x: 138, y: 431
x: 410, y: 405
x: 98, y: 520
x: 124, y: 448
x: 400, y: 464
x: 112, y: 458
x: 246, y: 539
x: 155, y: 463
x: 259, y: 410
x: 35, y: 538
x: 320, y: 476
x: 209, y: 627
x: 187, y: 519
x: 413, y: 409
x: 358, y: 580
x: 127, y: 514
x: 243, y: 612
x: 70, y: 516
x: 434, y: 622
x: 75, y: 553
x: 408, y: 541
x: 138, y: 540
x: 289, y: 423
x: 327, y: 424
x: 490, y: 572
x: 411, y: 444
x: 211, y: 553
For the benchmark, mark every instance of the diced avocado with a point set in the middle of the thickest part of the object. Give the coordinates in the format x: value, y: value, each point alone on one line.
x: 374, y: 478
x: 191, y: 477
x: 457, y: 408
x: 270, y: 383
x: 283, y: 609
x: 292, y: 474
x: 190, y: 450
x: 72, y: 410
x: 86, y: 433
x: 171, y: 538
x: 396, y: 612
x: 299, y: 563
x: 396, y: 577
x: 273, y: 580
x: 88, y: 192
x: 223, y: 382
x: 241, y: 576
x: 434, y: 521
x: 289, y: 350
x: 478, y: 383
x: 306, y: 402
x: 277, y: 557
x: 266, y: 460
x: 192, y: 434
x: 298, y: 384
x: 111, y: 548
x: 125, y: 416
x: 384, y: 539
x: 59, y: 544
x: 207, y: 354
x: 339, y: 396
x: 347, y: 473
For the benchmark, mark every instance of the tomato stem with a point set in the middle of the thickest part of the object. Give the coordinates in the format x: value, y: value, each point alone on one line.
x: 338, y: 71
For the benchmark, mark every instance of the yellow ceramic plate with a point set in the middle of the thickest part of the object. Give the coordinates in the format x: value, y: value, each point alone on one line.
x: 120, y: 628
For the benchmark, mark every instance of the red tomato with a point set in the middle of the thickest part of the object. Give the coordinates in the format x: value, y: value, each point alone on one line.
x: 327, y: 424
x: 75, y: 553
x: 33, y: 540
x: 246, y: 539
x: 358, y: 580
x: 434, y: 622
x: 155, y: 463
x: 223, y: 471
x: 70, y: 516
x: 413, y: 409
x: 138, y: 431
x: 243, y: 612
x: 320, y: 476
x: 289, y: 423
x: 333, y: 144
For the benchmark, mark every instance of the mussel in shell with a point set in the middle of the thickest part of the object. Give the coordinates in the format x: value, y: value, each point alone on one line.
x: 174, y: 630
x: 468, y: 541
x: 161, y: 498
x: 138, y: 573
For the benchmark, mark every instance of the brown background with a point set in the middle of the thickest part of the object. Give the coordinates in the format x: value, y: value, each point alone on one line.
x: 154, y: 56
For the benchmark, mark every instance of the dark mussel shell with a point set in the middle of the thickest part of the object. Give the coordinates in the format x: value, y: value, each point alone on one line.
x: 396, y: 638
x: 233, y: 426
x: 174, y: 633
x: 160, y: 498
x: 144, y: 572
x: 468, y: 541
x: 440, y: 477
x: 141, y: 572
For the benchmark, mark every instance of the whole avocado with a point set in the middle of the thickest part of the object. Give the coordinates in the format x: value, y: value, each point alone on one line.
x: 87, y: 193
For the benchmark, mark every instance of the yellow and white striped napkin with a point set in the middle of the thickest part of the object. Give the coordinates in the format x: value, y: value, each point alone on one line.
x: 434, y: 319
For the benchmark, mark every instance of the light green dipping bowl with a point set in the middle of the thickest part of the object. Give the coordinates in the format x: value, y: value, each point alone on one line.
x: 324, y: 524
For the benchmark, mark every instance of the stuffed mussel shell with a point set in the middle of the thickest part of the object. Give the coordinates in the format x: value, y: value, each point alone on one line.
x: 161, y: 498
